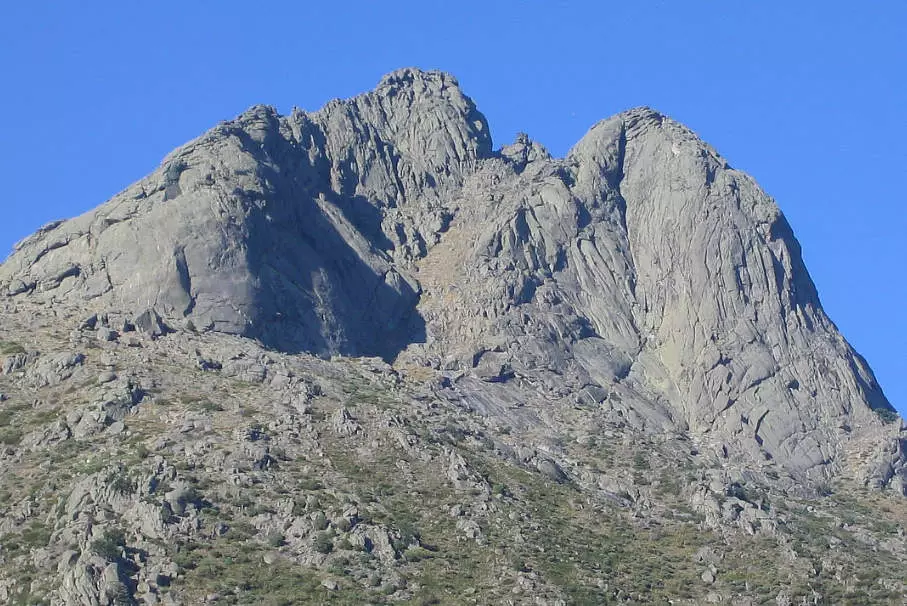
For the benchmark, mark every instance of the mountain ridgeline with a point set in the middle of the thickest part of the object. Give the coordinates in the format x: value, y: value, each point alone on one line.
x: 359, y: 355
x: 386, y: 225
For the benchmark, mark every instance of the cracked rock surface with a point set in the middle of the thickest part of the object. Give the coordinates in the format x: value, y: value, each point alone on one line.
x: 525, y: 327
x: 386, y: 225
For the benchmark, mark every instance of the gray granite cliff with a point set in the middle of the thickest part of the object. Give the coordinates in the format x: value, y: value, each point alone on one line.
x: 640, y: 274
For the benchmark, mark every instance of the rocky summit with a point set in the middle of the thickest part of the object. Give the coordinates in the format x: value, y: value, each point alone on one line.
x: 360, y: 356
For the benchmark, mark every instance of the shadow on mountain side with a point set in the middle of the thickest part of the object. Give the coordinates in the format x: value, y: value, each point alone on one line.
x: 318, y: 293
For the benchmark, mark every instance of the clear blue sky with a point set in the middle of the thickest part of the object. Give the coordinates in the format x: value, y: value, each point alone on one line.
x: 809, y: 97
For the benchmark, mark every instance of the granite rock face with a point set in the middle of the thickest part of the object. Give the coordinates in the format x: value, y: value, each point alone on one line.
x: 294, y: 230
x: 641, y: 275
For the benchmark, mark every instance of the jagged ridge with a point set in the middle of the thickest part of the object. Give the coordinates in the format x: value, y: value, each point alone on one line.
x: 640, y: 274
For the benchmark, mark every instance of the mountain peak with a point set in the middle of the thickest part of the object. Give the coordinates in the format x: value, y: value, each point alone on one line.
x: 414, y: 77
x: 318, y: 340
x: 384, y: 225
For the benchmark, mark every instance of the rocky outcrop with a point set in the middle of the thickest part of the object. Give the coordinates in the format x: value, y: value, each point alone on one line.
x: 647, y: 274
x: 641, y: 275
x: 285, y: 229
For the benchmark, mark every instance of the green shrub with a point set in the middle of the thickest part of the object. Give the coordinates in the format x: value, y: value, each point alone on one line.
x: 36, y: 535
x: 310, y: 484
x: 10, y: 347
x: 414, y: 554
x: 887, y: 415
x: 208, y: 406
x: 274, y: 539
x: 500, y: 489
x: 344, y: 525
x: 345, y: 545
x: 324, y: 543
x: 10, y: 436
x: 409, y: 532
x: 110, y: 545
x: 121, y: 483
x: 299, y: 507
x: 321, y: 522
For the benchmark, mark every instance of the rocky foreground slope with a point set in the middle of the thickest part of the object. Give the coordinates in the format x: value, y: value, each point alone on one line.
x: 360, y: 356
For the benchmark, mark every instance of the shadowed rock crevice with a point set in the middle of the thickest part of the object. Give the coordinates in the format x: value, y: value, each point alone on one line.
x: 328, y: 299
x: 323, y: 284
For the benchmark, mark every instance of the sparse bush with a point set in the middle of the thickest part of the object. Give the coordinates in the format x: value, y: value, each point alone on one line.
x: 324, y: 543
x: 240, y: 531
x: 261, y: 508
x: 208, y: 406
x: 500, y: 489
x: 121, y: 483
x: 299, y: 507
x: 409, y: 533
x: 110, y: 545
x: 414, y: 554
x: 310, y: 484
x: 9, y: 348
x: 10, y: 436
x: 243, y: 501
x: 36, y: 535
x: 320, y: 522
x: 824, y: 489
x: 453, y: 433
x: 344, y: 525
x: 274, y: 539
x: 887, y: 415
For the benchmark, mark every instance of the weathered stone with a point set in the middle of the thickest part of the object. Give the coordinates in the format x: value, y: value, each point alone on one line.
x: 305, y: 261
x: 344, y: 423
x: 13, y: 363
x: 106, y: 377
x: 53, y: 369
x: 552, y: 470
x: 150, y: 323
x: 106, y: 334
x: 180, y: 497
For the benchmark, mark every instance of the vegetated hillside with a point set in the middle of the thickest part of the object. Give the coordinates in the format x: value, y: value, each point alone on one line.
x: 358, y: 356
